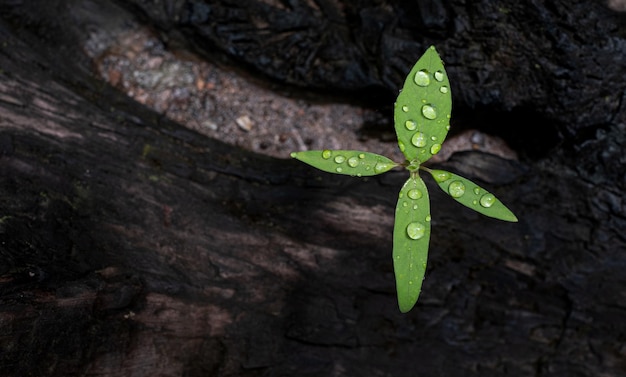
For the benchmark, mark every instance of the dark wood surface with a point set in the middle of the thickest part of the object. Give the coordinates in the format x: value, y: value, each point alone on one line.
x: 549, y: 61
x: 130, y: 246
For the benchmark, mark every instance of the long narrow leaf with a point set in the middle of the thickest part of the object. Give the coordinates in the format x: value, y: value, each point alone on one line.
x: 411, y: 235
x: 346, y: 162
x: 423, y: 107
x: 472, y: 196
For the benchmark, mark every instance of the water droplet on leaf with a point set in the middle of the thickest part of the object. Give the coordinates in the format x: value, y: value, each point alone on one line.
x: 429, y: 112
x: 381, y: 167
x: 428, y: 218
x: 421, y: 78
x: 415, y: 230
x: 362, y: 155
x: 339, y: 169
x: 353, y: 162
x: 438, y: 76
x: 443, y: 89
x: 401, y: 146
x: 405, y: 108
x: 435, y: 148
x: 419, y: 139
x: 326, y: 154
x: 410, y: 125
x: 441, y: 176
x: 339, y: 159
x: 476, y: 190
x: 414, y: 194
x: 456, y: 189
x: 487, y: 200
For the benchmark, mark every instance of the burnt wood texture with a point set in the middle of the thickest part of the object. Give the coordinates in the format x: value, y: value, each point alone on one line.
x: 131, y: 246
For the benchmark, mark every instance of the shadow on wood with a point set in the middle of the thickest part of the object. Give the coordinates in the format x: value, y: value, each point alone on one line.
x: 132, y: 246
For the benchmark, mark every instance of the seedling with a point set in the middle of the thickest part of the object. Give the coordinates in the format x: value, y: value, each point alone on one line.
x: 422, y: 121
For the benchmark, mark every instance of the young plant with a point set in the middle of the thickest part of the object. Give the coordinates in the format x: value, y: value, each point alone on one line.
x: 422, y: 120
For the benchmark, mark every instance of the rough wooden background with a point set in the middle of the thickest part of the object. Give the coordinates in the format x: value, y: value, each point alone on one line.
x: 131, y: 246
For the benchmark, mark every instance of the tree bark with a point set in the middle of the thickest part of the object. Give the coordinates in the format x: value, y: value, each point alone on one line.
x: 548, y: 62
x: 130, y: 246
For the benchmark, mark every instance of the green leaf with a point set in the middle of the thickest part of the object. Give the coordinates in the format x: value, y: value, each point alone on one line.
x: 471, y: 195
x: 411, y: 234
x: 354, y: 163
x: 423, y: 107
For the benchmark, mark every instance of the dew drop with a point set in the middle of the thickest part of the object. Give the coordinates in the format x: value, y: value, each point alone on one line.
x: 438, y: 76
x: 414, y: 194
x: 421, y: 78
x: 476, y: 190
x: 415, y: 207
x: 474, y: 202
x: 361, y: 155
x: 429, y: 112
x: 401, y: 146
x: 435, y: 148
x: 487, y: 200
x: 443, y: 89
x: 419, y: 139
x: 293, y: 154
x: 381, y: 167
x: 339, y: 169
x: 456, y: 189
x: 415, y: 230
x: 448, y: 127
x: 441, y: 176
x: 326, y: 154
x: 353, y: 162
x: 433, y: 138
x: 405, y: 204
x: 339, y: 159
x: 428, y: 218
x: 410, y: 125
x: 405, y: 108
